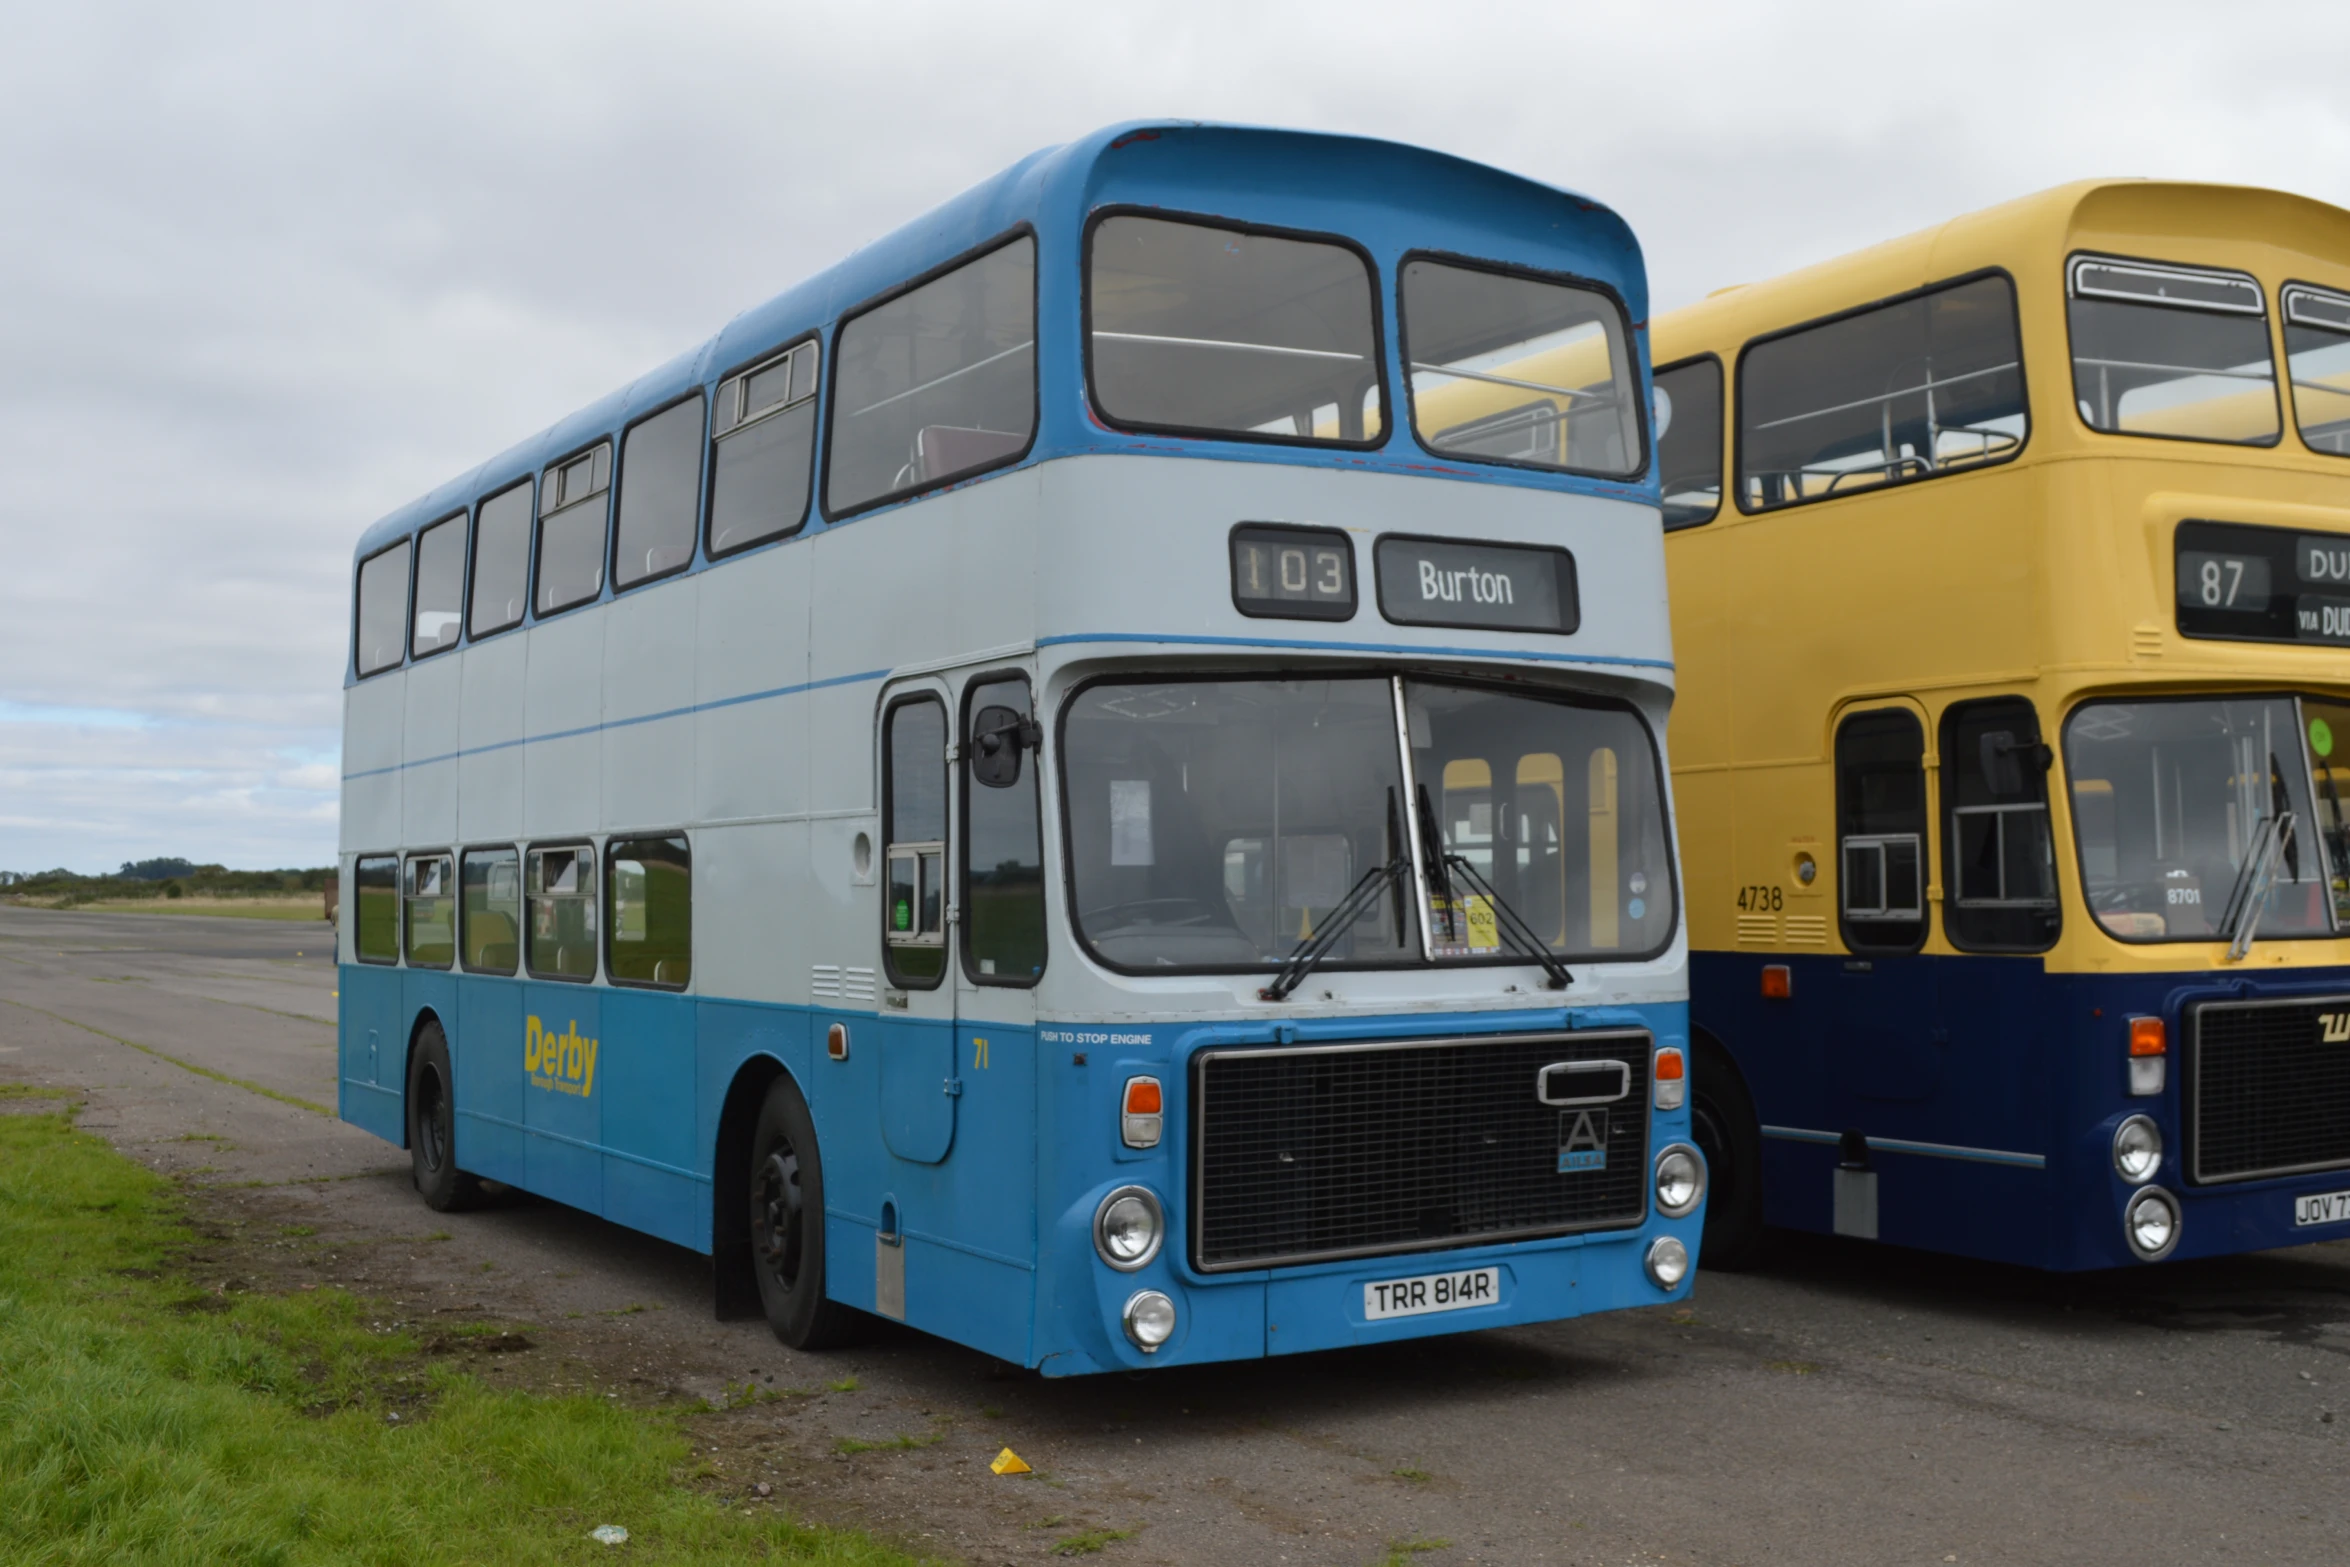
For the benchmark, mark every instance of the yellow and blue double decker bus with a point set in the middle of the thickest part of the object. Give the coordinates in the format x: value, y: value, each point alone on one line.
x: 2010, y: 572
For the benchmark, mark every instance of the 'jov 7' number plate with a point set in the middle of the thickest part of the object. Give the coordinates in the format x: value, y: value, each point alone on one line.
x: 2322, y: 1208
x: 1416, y: 1297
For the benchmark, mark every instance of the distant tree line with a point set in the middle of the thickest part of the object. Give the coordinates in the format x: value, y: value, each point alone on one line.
x: 164, y: 878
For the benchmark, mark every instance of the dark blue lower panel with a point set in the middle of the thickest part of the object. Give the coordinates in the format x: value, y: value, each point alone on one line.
x: 1988, y: 1091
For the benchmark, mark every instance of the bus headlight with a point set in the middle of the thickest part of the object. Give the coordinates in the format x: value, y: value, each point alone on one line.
x: 1680, y: 1181
x: 2151, y: 1223
x: 1128, y: 1227
x: 1667, y: 1262
x: 1150, y: 1320
x: 2137, y: 1150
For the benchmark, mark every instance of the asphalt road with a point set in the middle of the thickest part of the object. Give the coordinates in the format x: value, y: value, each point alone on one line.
x: 1846, y: 1404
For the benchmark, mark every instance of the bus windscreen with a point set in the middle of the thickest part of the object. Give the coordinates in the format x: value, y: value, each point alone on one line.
x: 1217, y: 824
x: 2169, y: 797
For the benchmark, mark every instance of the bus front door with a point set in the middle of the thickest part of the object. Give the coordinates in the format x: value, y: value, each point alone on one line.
x: 916, y: 1023
x: 1884, y: 1036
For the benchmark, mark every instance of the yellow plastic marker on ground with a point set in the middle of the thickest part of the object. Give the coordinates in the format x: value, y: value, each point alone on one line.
x: 1008, y: 1462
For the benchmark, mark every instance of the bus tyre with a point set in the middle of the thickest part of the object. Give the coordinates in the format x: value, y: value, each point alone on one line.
x: 787, y: 1225
x: 432, y: 1126
x: 1723, y: 1124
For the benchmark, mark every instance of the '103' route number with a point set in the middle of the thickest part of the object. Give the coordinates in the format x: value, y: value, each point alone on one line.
x: 1764, y: 900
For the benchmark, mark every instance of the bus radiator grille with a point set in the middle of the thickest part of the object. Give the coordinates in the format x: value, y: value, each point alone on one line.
x: 2268, y: 1094
x: 1359, y: 1150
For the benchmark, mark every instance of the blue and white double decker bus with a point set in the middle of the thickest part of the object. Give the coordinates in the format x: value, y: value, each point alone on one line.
x: 1088, y: 779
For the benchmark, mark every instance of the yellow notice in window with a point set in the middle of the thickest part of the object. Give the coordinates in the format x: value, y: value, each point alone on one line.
x: 1484, y: 928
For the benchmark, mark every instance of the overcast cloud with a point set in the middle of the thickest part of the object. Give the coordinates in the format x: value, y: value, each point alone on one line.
x: 268, y: 272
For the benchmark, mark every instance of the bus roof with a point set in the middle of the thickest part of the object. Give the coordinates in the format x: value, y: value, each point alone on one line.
x: 2133, y: 216
x: 1386, y: 196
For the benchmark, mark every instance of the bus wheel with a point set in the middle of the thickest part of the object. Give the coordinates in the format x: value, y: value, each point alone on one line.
x: 1722, y: 1121
x: 432, y: 1126
x: 787, y: 1224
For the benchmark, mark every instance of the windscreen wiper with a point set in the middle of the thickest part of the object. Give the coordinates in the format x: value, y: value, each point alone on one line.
x: 1444, y: 865
x: 1335, y: 925
x: 1511, y: 925
x: 2240, y: 921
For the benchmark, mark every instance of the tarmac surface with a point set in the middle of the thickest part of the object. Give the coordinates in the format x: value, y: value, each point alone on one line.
x: 1846, y: 1403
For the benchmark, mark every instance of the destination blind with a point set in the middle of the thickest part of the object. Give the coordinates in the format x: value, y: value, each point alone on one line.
x: 2248, y: 584
x: 1451, y: 582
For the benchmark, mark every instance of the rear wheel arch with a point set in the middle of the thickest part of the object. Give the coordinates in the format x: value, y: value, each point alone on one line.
x: 736, y: 1287
x: 426, y: 1017
x: 1726, y: 1128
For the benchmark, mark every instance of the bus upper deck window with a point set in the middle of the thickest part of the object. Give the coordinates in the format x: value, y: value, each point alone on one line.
x: 1197, y: 328
x: 1927, y: 385
x: 573, y: 498
x: 1689, y: 441
x: 2171, y: 351
x: 765, y: 437
x: 440, y: 587
x: 2317, y: 363
x: 935, y: 383
x: 501, y: 560
x: 660, y: 485
x: 1520, y: 369
x: 383, y: 609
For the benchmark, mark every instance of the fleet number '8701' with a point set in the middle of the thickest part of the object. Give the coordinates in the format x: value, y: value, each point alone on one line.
x: 1764, y: 900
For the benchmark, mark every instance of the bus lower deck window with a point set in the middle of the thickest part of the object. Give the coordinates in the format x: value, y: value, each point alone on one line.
x: 561, y: 887
x: 490, y: 918
x: 651, y: 926
x: 428, y: 908
x: 375, y: 895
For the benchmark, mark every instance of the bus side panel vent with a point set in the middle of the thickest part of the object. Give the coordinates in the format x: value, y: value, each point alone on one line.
x: 1360, y: 1150
x: 2267, y: 1093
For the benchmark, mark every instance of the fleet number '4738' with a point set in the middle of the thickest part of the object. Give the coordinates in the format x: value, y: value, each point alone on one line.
x: 1765, y: 900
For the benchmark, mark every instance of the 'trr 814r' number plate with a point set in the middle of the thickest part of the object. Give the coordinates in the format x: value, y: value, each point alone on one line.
x: 1416, y: 1297
x: 2322, y: 1208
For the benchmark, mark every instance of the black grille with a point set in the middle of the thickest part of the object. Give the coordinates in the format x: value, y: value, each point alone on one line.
x: 1354, y: 1150
x: 2269, y: 1092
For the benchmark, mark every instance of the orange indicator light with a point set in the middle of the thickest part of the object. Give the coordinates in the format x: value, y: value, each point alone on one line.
x: 2148, y: 1037
x: 1778, y: 982
x: 1142, y: 1096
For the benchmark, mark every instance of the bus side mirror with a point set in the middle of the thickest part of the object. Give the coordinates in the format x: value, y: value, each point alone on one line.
x: 998, y: 735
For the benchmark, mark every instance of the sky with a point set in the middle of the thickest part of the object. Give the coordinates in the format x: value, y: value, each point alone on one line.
x: 267, y: 272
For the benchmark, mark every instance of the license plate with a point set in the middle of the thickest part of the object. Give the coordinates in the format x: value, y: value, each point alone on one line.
x: 1416, y: 1297
x: 2322, y: 1208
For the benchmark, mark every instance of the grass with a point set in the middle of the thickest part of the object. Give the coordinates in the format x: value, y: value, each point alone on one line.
x: 1091, y: 1541
x: 1401, y: 1552
x: 146, y: 1420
